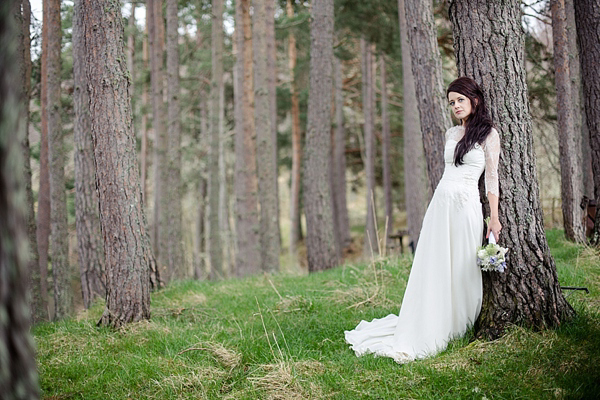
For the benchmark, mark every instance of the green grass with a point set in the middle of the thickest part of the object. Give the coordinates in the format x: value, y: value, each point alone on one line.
x: 281, y: 337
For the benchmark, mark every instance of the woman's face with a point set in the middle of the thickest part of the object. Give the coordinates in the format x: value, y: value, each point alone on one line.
x: 460, y: 104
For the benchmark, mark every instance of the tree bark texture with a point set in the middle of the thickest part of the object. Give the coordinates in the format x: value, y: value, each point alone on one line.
x: 569, y: 140
x: 266, y: 165
x: 214, y: 236
x: 587, y: 16
x: 320, y: 240
x: 19, y: 378
x: 371, y: 245
x: 128, y: 254
x: 247, y: 224
x: 59, y: 235
x: 339, y: 160
x: 415, y: 180
x: 131, y: 43
x: 385, y: 150
x: 427, y: 72
x: 90, y: 245
x: 176, y: 261
x: 144, y: 124
x: 488, y: 43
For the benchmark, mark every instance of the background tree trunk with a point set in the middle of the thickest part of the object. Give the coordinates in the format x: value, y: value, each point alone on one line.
x: 175, y: 236
x: 415, y: 181
x: 89, y: 237
x: 371, y: 245
x: 247, y: 222
x: 61, y: 272
x: 19, y: 379
x: 127, y: 248
x: 320, y: 240
x: 201, y: 240
x: 144, y: 122
x: 587, y: 15
x: 215, y: 249
x: 427, y: 71
x: 266, y: 168
x: 568, y: 139
x: 385, y: 153
x: 528, y: 292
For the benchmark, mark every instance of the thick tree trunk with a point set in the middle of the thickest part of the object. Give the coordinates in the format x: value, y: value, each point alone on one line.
x: 267, y: 167
x: 59, y: 244
x: 215, y: 248
x: 43, y: 212
x: 339, y: 160
x: 427, y: 72
x: 19, y: 378
x: 385, y: 153
x: 320, y: 239
x: 176, y: 261
x: 89, y: 237
x: 488, y: 42
x: 247, y: 225
x: 371, y: 245
x: 128, y: 254
x: 415, y: 180
x: 569, y: 140
x: 295, y: 226
x: 587, y: 16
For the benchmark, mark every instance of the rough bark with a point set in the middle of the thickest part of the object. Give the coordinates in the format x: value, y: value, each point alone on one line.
x: 320, y: 239
x: 59, y: 244
x: 215, y: 248
x: 488, y: 43
x: 131, y: 43
x: 430, y: 96
x: 371, y: 245
x: 19, y: 378
x: 414, y: 161
x: 569, y: 142
x: 385, y: 150
x: 587, y: 16
x: 267, y: 167
x: 128, y: 254
x: 176, y: 262
x: 339, y: 160
x: 90, y: 246
x: 247, y: 225
x: 295, y: 227
x: 43, y: 211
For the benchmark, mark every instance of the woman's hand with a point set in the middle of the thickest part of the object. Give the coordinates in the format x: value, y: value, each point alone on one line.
x: 494, y: 226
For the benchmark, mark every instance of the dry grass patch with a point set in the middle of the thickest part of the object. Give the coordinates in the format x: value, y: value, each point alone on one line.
x: 195, y: 380
x: 283, y: 381
x: 224, y: 356
x: 143, y: 326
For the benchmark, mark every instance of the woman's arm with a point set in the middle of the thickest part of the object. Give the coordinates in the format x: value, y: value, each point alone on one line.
x: 492, y: 158
x: 494, y: 225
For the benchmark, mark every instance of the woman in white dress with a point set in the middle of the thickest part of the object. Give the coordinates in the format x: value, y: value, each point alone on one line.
x: 444, y: 291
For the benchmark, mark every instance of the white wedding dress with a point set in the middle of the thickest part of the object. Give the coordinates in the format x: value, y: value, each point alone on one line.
x: 444, y: 291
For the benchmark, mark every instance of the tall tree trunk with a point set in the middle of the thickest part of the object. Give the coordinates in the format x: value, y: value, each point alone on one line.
x: 528, y: 292
x: 295, y: 226
x: 385, y: 153
x: 569, y: 142
x: 415, y: 180
x: 156, y: 43
x: 371, y: 245
x: 224, y: 217
x: 320, y: 240
x: 246, y: 186
x: 59, y: 244
x: 215, y: 248
x: 339, y: 159
x: 89, y: 238
x: 19, y: 378
x: 266, y: 168
x: 201, y: 240
x: 587, y: 16
x: 43, y: 212
x: 144, y: 123
x: 175, y: 237
x: 427, y: 71
x: 127, y: 248
x: 23, y: 13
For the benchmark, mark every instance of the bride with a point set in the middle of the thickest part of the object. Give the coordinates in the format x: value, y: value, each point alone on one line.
x: 444, y: 291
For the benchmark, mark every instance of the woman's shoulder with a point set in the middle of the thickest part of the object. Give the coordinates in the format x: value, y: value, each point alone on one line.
x: 492, y: 140
x: 454, y: 132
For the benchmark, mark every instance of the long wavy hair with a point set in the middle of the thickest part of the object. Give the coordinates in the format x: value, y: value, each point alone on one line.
x: 478, y: 123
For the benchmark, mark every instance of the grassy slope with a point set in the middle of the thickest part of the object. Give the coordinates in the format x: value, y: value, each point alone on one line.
x: 224, y: 328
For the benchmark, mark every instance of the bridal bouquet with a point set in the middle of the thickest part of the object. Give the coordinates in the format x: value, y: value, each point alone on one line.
x: 491, y: 256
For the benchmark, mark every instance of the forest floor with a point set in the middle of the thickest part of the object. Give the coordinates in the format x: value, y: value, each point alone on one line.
x: 282, y: 337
